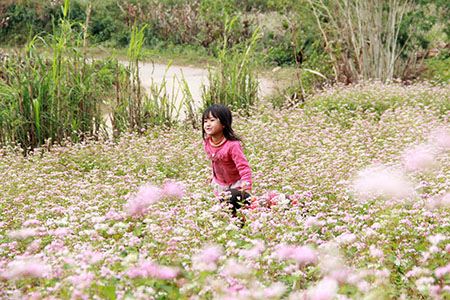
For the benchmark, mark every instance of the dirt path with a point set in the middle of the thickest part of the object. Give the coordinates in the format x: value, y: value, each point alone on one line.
x: 195, y: 78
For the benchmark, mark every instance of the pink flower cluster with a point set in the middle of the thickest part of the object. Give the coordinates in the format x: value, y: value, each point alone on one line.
x: 302, y: 255
x: 207, y: 258
x: 149, y: 194
x: 149, y: 269
x: 23, y: 268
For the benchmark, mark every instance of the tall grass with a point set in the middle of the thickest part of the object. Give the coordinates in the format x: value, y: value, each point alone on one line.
x: 58, y: 94
x: 136, y: 107
x: 234, y: 83
x: 51, y: 95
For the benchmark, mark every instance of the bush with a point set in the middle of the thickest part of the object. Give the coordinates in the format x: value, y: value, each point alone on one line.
x: 438, y: 68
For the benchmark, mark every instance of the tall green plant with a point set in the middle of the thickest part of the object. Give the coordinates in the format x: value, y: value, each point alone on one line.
x: 51, y: 95
x: 135, y: 107
x: 233, y: 83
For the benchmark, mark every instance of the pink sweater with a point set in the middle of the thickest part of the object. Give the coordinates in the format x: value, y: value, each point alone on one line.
x: 229, y: 163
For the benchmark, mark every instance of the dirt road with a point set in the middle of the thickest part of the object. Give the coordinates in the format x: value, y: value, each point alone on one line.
x: 195, y: 78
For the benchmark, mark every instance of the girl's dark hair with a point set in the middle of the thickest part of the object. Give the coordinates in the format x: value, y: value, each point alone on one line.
x: 222, y: 113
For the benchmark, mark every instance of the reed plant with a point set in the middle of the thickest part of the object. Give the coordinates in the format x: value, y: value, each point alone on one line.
x: 136, y: 107
x: 52, y: 94
x: 234, y: 82
x: 58, y: 94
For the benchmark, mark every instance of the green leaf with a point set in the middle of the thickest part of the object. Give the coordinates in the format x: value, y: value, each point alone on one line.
x: 108, y: 292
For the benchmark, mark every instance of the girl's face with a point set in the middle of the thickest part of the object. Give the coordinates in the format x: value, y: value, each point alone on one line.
x: 213, y: 126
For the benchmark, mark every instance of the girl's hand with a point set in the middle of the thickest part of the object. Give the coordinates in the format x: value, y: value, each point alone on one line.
x: 209, y: 180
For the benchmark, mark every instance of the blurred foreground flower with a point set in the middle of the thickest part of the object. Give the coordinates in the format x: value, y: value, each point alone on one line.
x: 381, y: 181
x: 421, y: 158
x: 440, y: 138
x: 173, y: 189
x: 20, y: 269
x: 439, y: 202
x: 149, y: 269
x: 303, y: 255
x: 207, y: 259
x: 22, y: 234
x: 149, y: 194
x: 233, y: 268
x: 326, y: 289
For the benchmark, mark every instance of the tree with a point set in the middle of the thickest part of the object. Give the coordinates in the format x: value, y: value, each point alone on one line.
x: 362, y: 37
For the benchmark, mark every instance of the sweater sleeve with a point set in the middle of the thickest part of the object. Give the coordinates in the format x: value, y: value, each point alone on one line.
x: 242, y: 165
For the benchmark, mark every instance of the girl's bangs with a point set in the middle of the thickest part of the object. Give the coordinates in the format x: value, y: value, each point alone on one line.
x: 208, y: 111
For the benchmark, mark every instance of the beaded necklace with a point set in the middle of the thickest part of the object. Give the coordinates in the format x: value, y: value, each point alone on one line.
x: 219, y: 143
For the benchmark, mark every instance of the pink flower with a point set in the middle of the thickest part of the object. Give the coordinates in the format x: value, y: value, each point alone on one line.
x: 173, y: 189
x: 19, y: 269
x: 326, y: 289
x: 420, y: 158
x: 275, y: 291
x: 235, y: 269
x: 375, y: 252
x: 314, y: 222
x: 147, y: 195
x: 149, y: 269
x: 61, y: 231
x: 22, y: 234
x: 83, y: 280
x: 302, y: 255
x: 254, y: 252
x: 207, y: 259
x: 381, y: 181
x: 439, y: 202
x: 441, y: 271
x: 440, y: 138
x: 31, y: 222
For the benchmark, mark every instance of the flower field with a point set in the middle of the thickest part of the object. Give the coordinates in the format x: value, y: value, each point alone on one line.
x: 368, y: 166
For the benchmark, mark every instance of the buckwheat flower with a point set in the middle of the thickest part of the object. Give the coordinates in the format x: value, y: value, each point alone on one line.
x: 381, y: 181
x: 101, y: 227
x: 303, y: 255
x: 275, y: 291
x: 437, y: 238
x: 82, y: 281
x: 439, y: 202
x: 314, y: 222
x: 149, y: 269
x: 421, y: 158
x: 326, y: 289
x: 146, y: 196
x: 22, y: 234
x: 234, y: 269
x: 120, y: 226
x: 31, y: 222
x: 423, y: 284
x: 61, y: 231
x: 254, y: 252
x: 346, y: 238
x: 332, y: 265
x: 207, y: 259
x: 441, y: 271
x: 23, y: 268
x: 173, y: 189
x: 440, y: 138
x: 375, y: 252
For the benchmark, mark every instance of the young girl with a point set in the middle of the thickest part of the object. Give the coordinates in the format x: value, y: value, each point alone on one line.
x: 230, y: 168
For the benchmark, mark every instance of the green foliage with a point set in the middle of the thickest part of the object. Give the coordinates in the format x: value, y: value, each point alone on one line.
x: 54, y: 95
x: 234, y: 83
x: 366, y: 97
x: 438, y: 68
x: 59, y: 95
